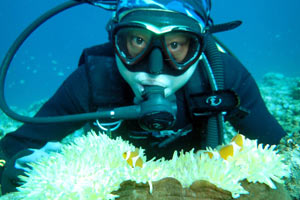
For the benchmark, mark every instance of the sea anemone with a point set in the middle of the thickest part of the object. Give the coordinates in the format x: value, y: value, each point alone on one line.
x: 94, y: 166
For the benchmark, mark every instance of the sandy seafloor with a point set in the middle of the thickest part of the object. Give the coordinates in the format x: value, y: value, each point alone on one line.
x: 282, y: 97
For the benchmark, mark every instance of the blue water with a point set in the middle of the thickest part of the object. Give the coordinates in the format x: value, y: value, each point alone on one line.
x: 268, y: 41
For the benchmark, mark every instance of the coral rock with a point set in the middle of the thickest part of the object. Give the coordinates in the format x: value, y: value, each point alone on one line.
x: 171, y: 189
x: 259, y: 191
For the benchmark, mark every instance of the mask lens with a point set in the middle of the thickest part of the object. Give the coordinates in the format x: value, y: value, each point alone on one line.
x: 182, y: 48
x: 131, y: 43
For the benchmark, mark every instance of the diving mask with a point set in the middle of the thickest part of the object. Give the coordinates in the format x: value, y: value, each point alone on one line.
x: 178, y: 37
x: 180, y: 47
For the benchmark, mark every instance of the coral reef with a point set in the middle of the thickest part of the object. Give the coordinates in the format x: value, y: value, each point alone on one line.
x: 281, y: 95
x: 289, y: 147
x: 8, y: 125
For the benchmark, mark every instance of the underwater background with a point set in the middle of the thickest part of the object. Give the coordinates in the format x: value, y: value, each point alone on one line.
x: 267, y: 41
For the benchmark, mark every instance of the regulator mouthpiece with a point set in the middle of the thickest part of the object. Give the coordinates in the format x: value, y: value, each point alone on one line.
x: 157, y: 113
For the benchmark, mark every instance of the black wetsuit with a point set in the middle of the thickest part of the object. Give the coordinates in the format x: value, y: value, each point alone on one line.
x: 96, y: 83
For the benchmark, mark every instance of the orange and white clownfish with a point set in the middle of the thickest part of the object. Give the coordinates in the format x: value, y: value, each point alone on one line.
x: 133, y: 158
x: 235, y: 145
x: 2, y: 163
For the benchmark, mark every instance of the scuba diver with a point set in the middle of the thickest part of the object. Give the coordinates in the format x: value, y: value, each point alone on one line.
x: 161, y: 55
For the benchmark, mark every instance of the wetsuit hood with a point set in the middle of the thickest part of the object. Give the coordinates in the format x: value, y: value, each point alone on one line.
x: 196, y: 9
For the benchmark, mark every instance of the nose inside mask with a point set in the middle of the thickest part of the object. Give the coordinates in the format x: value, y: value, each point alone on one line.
x: 156, y: 64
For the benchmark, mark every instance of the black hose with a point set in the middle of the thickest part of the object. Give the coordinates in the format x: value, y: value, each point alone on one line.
x: 213, y: 55
x: 215, y: 123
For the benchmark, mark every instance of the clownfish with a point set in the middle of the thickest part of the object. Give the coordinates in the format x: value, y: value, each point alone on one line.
x: 2, y: 163
x: 236, y: 144
x: 133, y: 158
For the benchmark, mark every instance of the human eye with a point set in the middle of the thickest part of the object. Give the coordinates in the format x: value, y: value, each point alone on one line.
x: 138, y: 41
x: 136, y: 44
x: 175, y: 46
x: 176, y: 41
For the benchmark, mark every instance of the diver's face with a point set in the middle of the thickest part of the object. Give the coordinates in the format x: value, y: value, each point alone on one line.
x: 138, y: 80
x: 151, y: 50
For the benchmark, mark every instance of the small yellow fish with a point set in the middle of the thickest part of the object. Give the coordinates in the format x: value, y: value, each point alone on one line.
x: 226, y: 151
x: 133, y: 158
x: 230, y: 149
x: 2, y: 163
x: 238, y: 139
